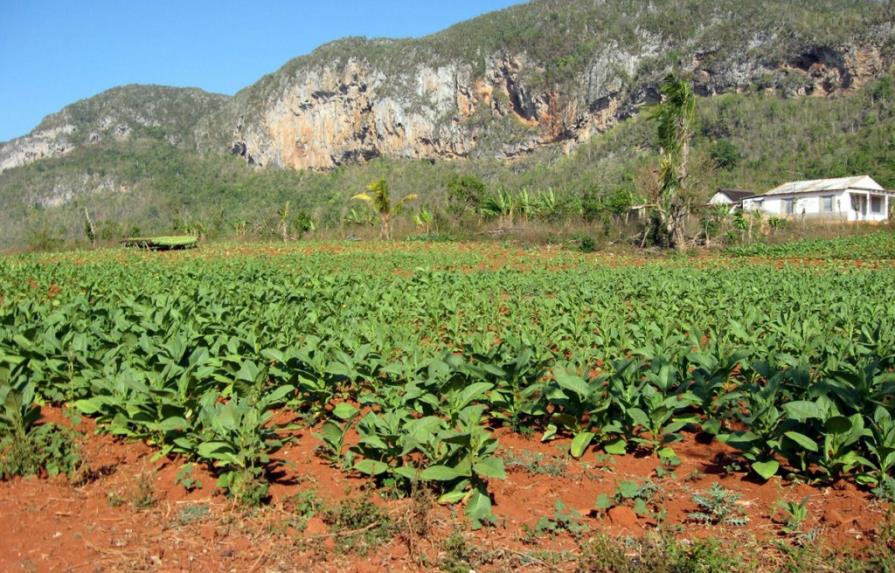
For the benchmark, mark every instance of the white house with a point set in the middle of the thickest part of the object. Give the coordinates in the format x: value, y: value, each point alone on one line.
x: 732, y: 197
x: 847, y: 199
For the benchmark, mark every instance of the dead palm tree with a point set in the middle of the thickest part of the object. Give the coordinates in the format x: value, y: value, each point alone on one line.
x: 377, y: 197
x: 675, y: 118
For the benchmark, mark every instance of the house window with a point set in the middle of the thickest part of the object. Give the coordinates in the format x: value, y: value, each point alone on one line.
x: 876, y: 204
x: 789, y: 206
x: 826, y: 203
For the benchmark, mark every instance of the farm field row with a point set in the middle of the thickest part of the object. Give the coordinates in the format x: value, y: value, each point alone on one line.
x: 706, y: 396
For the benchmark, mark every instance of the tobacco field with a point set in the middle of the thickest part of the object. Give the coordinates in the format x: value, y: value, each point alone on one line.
x: 408, y: 365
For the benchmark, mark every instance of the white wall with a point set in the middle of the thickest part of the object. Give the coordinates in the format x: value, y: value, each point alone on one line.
x: 811, y: 206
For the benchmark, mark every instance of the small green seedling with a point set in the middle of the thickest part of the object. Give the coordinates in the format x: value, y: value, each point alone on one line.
x: 791, y: 514
x: 718, y: 506
x: 564, y: 519
x: 185, y: 478
x: 641, y: 497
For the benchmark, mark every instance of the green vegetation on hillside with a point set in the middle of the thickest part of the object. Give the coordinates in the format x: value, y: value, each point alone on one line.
x: 752, y: 141
x: 562, y: 36
x: 144, y: 111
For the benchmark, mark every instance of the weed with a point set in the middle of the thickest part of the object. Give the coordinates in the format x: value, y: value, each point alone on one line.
x: 535, y: 463
x: 586, y: 244
x: 193, y: 514
x: 248, y: 488
x: 885, y: 490
x: 114, y: 499
x: 143, y: 494
x: 303, y: 506
x: 458, y: 556
x: 693, y: 476
x: 185, y: 478
x: 663, y: 471
x: 415, y: 522
x: 641, y: 497
x: 659, y: 553
x: 791, y: 515
x: 563, y: 519
x: 28, y: 448
x: 358, y: 525
x: 878, y: 556
x: 718, y: 506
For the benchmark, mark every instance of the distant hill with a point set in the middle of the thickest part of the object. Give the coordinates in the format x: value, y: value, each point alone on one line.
x: 119, y: 114
x: 523, y: 95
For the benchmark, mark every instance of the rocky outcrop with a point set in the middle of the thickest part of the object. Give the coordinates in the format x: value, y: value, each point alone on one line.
x: 118, y: 114
x: 40, y: 144
x: 437, y: 98
x: 323, y: 116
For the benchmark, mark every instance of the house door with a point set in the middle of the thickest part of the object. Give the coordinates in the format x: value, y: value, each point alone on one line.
x: 859, y: 206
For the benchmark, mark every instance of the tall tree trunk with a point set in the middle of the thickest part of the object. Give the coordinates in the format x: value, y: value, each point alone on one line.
x: 90, y: 228
x: 385, y: 231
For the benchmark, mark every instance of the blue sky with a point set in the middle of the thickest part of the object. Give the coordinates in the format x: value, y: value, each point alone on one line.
x: 53, y: 53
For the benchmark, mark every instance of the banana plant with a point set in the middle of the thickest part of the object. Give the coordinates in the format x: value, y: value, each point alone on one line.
x: 377, y: 196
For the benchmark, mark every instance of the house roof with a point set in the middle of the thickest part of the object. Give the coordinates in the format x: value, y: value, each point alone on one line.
x: 822, y: 185
x: 735, y: 195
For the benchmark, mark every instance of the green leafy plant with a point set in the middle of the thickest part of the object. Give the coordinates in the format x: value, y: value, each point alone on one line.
x: 469, y: 460
x: 236, y: 438
x: 334, y: 432
x: 791, y: 514
x: 28, y: 448
x: 718, y: 506
x: 581, y: 409
x: 184, y: 478
x: 641, y: 497
x: 563, y: 520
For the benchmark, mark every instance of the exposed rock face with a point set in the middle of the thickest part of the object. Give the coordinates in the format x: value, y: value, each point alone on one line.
x: 39, y: 144
x: 435, y: 98
x: 118, y: 114
x: 346, y: 111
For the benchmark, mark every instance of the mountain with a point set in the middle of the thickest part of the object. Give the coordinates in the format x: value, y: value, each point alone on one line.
x: 512, y: 90
x: 122, y: 113
x: 546, y: 72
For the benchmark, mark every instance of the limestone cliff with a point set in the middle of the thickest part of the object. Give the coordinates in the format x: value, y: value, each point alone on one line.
x: 543, y: 73
x: 119, y: 114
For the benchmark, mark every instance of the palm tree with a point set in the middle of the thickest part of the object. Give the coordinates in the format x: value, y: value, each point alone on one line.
x: 675, y: 118
x: 378, y: 198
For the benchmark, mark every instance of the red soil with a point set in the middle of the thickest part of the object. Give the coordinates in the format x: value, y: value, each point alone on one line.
x: 50, y: 525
